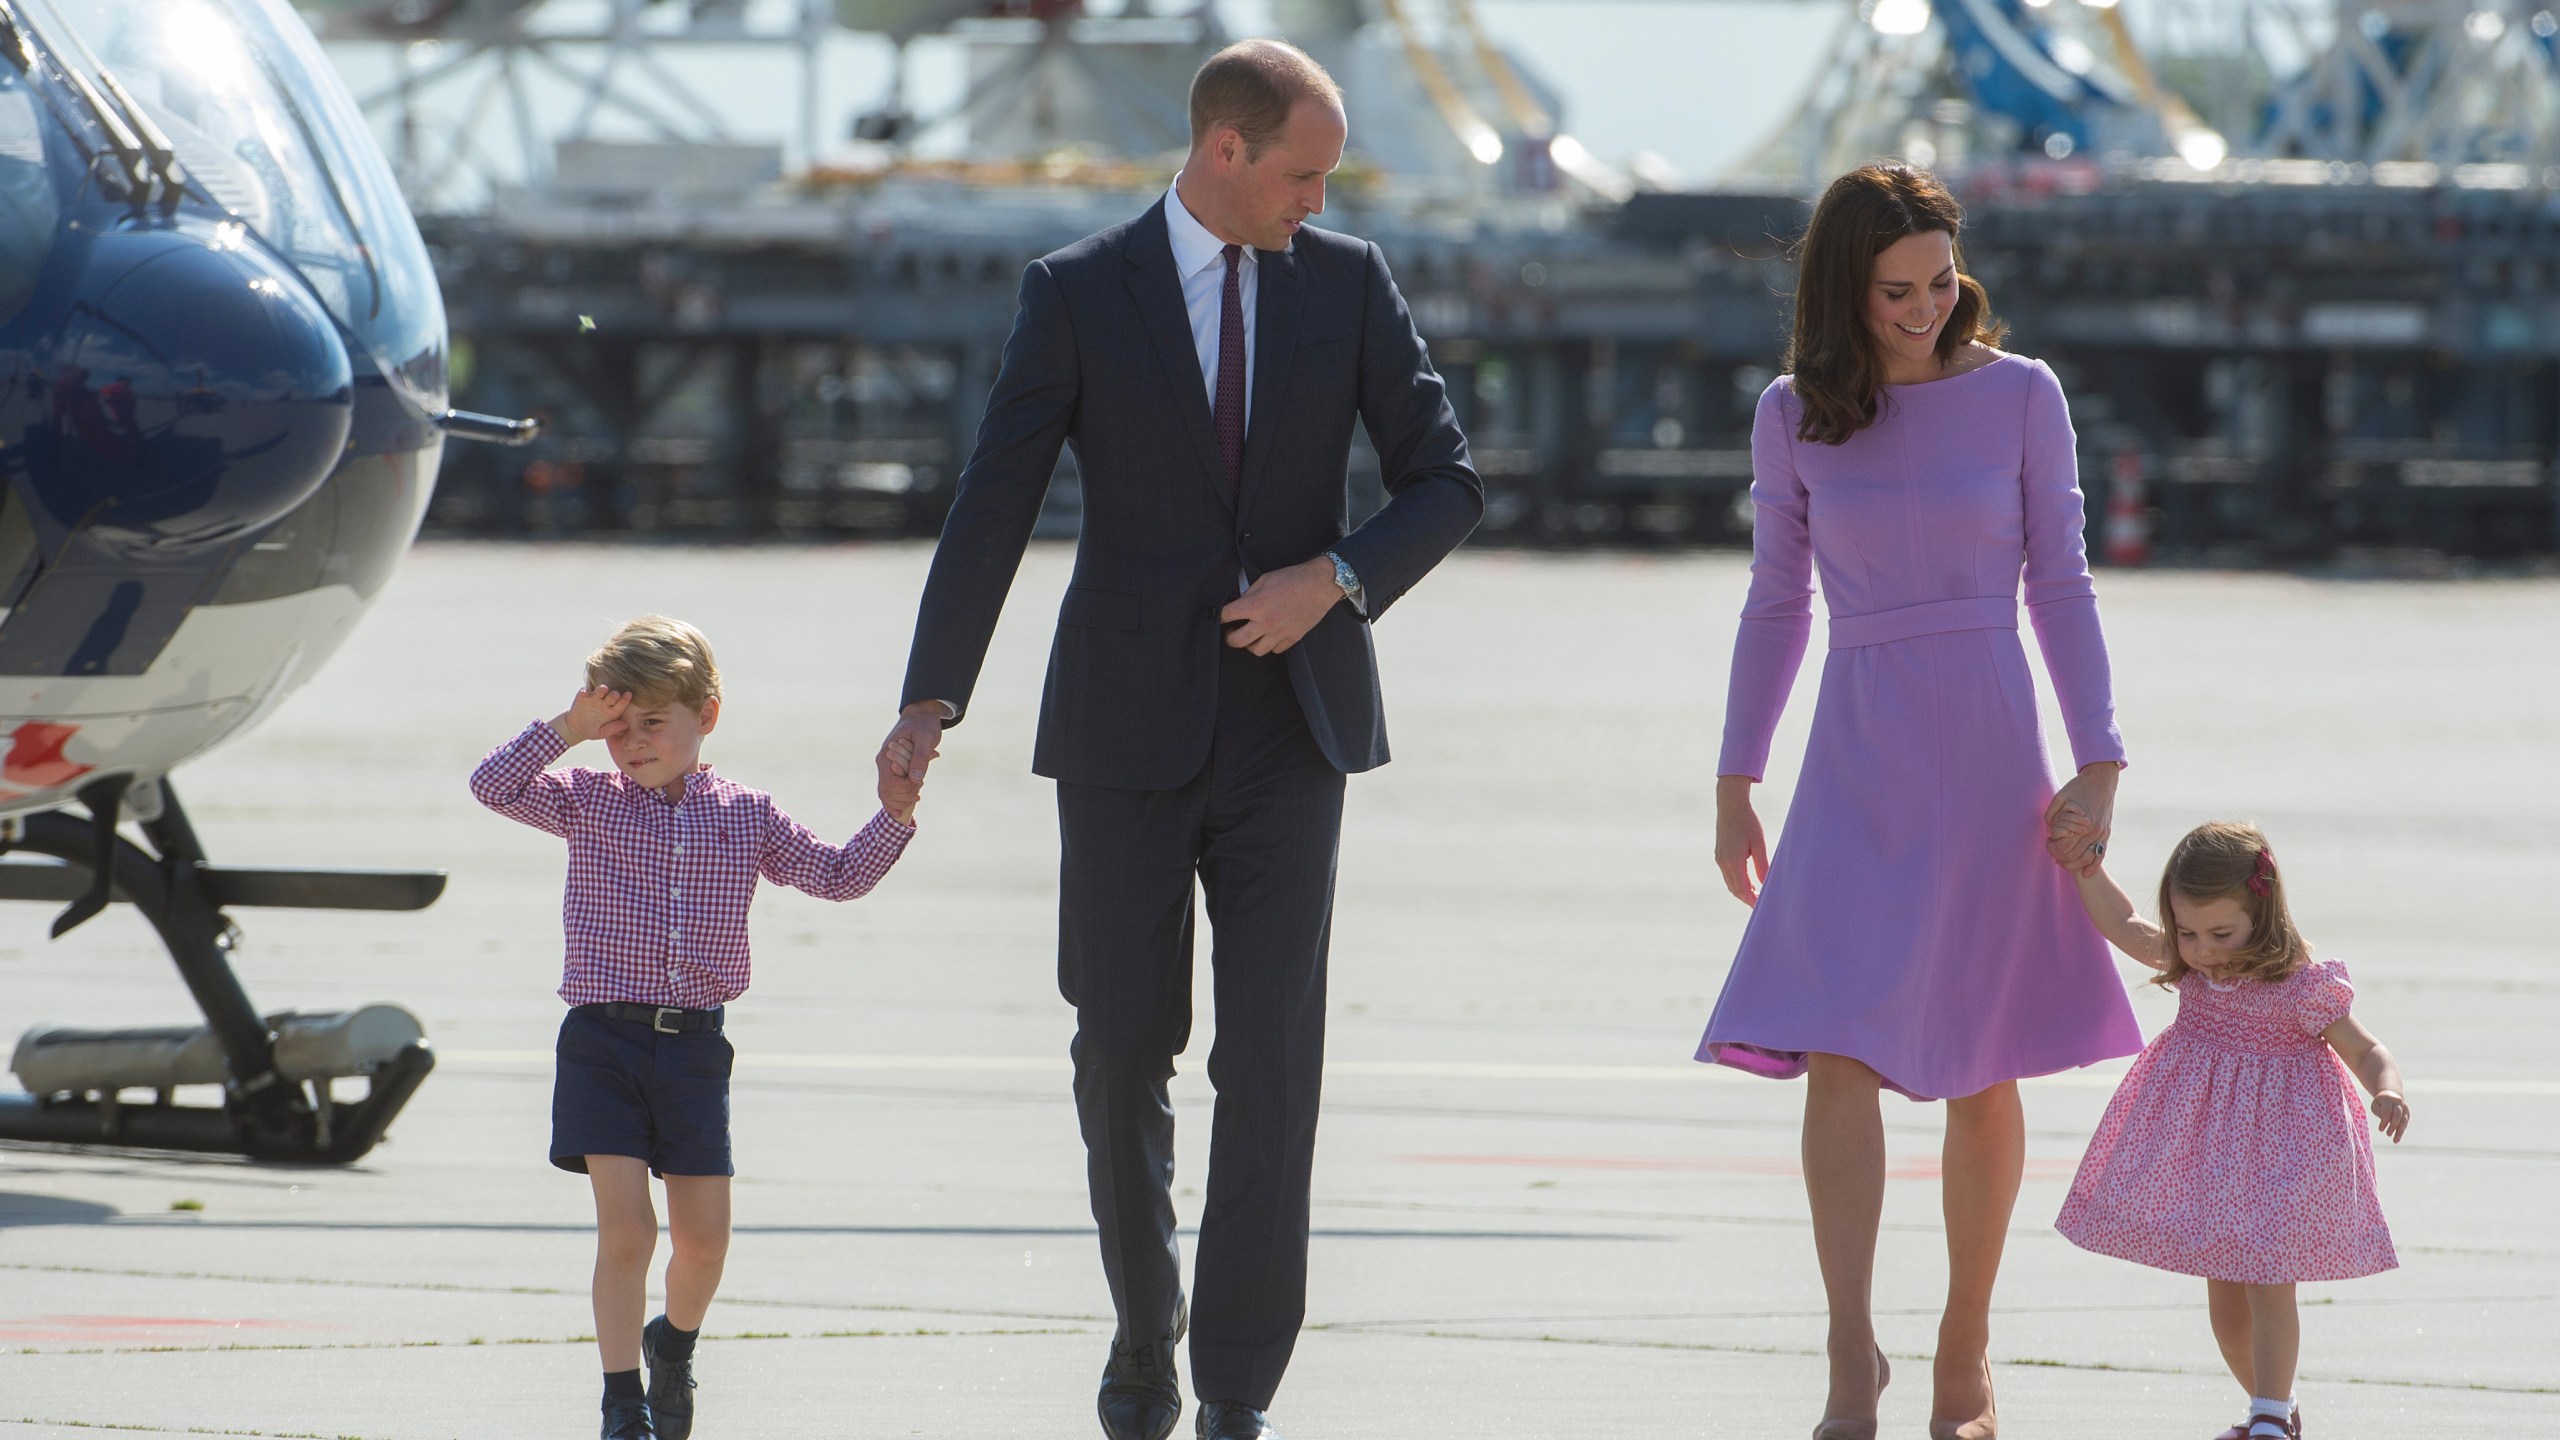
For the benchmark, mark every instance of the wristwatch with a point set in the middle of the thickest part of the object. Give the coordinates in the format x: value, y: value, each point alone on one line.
x: 1346, y: 577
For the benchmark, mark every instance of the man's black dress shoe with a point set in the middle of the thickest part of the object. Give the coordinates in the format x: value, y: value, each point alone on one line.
x: 1140, y: 1398
x: 1234, y: 1420
x: 670, y: 1383
x: 628, y: 1420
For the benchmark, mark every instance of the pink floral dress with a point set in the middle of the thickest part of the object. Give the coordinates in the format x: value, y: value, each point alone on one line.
x: 2236, y: 1148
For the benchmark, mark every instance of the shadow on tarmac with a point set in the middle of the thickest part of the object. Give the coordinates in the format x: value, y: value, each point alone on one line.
x: 17, y: 1210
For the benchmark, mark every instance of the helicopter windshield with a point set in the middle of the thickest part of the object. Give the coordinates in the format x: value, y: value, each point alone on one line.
x: 28, y: 208
x: 260, y: 122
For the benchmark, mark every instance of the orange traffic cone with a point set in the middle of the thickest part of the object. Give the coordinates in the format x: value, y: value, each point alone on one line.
x: 2128, y: 523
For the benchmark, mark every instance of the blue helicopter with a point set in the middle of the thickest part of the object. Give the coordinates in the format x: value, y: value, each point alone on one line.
x: 222, y: 405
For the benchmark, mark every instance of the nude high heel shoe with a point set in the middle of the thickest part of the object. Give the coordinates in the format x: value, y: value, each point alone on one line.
x: 1847, y: 1429
x: 1985, y: 1426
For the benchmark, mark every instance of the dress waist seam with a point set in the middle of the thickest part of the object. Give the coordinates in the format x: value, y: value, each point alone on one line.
x: 1934, y: 617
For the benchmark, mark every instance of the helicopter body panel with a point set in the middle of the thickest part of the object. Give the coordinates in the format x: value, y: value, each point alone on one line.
x: 221, y: 369
x: 222, y: 405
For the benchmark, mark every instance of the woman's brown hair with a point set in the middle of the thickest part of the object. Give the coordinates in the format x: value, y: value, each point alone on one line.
x: 2222, y: 860
x: 1838, y: 374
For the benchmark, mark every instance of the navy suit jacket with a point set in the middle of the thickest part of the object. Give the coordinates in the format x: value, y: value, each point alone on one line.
x: 1102, y: 358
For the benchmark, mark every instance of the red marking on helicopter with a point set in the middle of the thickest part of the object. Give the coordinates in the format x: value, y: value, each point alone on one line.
x: 35, y: 756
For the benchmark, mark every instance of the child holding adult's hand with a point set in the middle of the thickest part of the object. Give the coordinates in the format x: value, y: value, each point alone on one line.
x: 664, y: 857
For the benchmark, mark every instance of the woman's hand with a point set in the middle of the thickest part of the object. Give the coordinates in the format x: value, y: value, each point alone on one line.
x: 2081, y: 817
x: 1742, y: 851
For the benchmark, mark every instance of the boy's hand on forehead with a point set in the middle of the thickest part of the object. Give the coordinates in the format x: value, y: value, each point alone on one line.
x: 596, y: 714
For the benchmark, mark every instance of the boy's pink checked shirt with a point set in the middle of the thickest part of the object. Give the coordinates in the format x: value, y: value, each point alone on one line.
x: 656, y: 909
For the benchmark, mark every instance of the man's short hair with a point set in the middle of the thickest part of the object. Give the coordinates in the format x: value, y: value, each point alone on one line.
x: 1253, y: 85
x: 657, y: 661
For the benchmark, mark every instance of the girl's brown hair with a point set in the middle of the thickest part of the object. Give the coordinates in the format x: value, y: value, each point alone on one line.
x: 1838, y: 374
x: 2223, y: 860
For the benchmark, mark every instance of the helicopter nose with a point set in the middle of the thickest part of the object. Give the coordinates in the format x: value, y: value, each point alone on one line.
x: 197, y: 393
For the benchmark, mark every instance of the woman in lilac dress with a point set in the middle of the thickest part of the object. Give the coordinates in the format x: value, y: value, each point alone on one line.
x: 1916, y: 930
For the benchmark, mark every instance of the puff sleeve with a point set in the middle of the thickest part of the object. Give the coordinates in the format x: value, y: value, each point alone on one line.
x: 2322, y: 995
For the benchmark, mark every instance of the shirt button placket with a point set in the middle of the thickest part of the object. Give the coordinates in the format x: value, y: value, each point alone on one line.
x: 675, y: 929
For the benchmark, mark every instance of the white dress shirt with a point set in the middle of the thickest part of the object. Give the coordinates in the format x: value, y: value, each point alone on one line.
x: 1200, y: 259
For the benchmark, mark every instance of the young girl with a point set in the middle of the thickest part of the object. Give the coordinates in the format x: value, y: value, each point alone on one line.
x: 2235, y: 1149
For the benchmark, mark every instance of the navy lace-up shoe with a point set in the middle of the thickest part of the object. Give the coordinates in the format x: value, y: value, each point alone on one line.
x: 627, y: 1420
x: 670, y: 1383
x: 1140, y: 1398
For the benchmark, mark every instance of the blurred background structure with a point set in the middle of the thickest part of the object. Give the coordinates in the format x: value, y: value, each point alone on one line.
x: 2296, y: 259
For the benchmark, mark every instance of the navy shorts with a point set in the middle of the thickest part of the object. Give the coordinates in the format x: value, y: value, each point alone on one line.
x: 623, y: 1088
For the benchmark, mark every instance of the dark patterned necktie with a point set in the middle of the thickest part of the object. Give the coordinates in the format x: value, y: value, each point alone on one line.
x: 1230, y: 408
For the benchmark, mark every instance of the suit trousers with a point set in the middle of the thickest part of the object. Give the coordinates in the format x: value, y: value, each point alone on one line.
x: 1259, y: 827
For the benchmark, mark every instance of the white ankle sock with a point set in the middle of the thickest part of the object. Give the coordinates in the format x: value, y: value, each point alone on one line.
x: 2269, y: 1417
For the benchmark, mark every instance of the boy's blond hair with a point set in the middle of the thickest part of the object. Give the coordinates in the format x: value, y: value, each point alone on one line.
x: 657, y: 661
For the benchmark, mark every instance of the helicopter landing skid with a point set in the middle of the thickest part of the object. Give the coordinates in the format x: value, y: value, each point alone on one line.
x: 276, y: 1072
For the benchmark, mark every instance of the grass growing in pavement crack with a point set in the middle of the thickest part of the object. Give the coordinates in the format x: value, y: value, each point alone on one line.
x: 179, y: 1429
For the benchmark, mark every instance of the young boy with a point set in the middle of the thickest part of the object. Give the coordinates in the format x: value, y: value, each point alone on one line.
x: 663, y: 860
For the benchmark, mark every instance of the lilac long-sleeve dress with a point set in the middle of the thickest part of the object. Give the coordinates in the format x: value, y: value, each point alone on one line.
x: 1912, y: 919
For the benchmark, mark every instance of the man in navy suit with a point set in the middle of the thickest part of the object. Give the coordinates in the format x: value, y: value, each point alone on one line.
x: 1211, y: 682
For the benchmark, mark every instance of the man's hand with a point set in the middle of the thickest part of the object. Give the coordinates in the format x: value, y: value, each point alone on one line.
x: 912, y: 745
x: 898, y: 753
x: 595, y: 714
x: 1278, y: 610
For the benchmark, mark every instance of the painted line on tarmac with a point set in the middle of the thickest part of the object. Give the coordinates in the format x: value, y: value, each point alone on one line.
x: 441, y: 1287
x: 483, y: 1342
x: 1408, y: 1070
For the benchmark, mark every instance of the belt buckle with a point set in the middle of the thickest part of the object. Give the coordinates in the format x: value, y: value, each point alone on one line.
x: 658, y: 1022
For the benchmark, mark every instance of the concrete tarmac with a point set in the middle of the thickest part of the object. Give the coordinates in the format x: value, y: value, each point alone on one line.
x: 1535, y: 1216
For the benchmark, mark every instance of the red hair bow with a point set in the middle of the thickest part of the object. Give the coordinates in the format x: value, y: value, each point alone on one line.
x: 2262, y: 880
